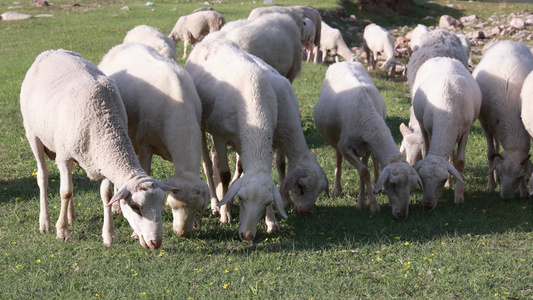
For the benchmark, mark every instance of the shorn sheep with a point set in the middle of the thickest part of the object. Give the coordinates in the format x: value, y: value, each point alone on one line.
x: 526, y: 96
x: 446, y: 102
x: 239, y: 108
x: 273, y: 37
x: 194, y: 27
x: 332, y: 43
x: 416, y: 38
x: 500, y: 75
x: 350, y: 116
x: 438, y: 43
x: 164, y: 114
x: 74, y: 113
x: 152, y: 37
x: 308, y: 44
x: 378, y: 40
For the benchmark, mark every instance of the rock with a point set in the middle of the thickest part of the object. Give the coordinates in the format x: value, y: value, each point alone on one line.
x: 496, y: 30
x: 9, y: 16
x: 41, y: 3
x: 402, y: 41
x: 354, y: 29
x: 517, y: 23
x: 15, y: 7
x: 124, y: 8
x: 352, y: 18
x: 44, y: 16
x: 469, y: 18
x: 475, y: 35
x: 449, y: 22
x: 529, y: 20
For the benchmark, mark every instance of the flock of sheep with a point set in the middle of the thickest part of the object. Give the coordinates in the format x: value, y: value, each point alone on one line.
x: 236, y: 87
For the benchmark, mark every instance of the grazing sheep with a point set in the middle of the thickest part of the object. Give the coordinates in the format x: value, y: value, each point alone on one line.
x: 446, y: 102
x: 273, y: 37
x: 164, y: 114
x: 413, y: 142
x: 313, y: 15
x: 296, y: 16
x: 74, y: 113
x: 376, y: 40
x: 152, y: 37
x: 526, y: 96
x: 194, y: 27
x: 438, y: 43
x: 239, y: 108
x: 500, y: 75
x: 309, y: 38
x: 331, y: 42
x: 350, y: 116
x: 416, y: 38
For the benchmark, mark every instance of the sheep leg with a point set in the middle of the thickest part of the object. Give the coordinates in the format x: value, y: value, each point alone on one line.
x: 491, y: 150
x: 222, y: 177
x: 185, y: 46
x: 271, y: 221
x: 145, y: 159
x: 42, y: 181
x: 364, y: 175
x: 338, y: 172
x: 108, y: 231
x: 316, y: 53
x: 281, y: 167
x: 375, y: 165
x: 427, y: 141
x: 460, y: 166
x: 208, y: 171
x: 66, y: 188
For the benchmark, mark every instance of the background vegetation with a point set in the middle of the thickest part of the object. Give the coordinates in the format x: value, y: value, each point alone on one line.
x: 480, y: 249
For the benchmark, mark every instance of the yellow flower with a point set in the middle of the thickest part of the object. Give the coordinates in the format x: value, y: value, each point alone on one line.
x: 38, y: 261
x: 18, y: 266
x: 142, y: 293
x: 278, y: 268
x: 396, y: 237
x: 230, y: 259
x: 406, y: 243
x: 226, y: 271
x: 378, y: 259
x: 52, y: 256
x: 236, y: 269
x: 225, y: 286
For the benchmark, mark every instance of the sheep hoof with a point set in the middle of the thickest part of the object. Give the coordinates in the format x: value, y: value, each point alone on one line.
x: 273, y: 227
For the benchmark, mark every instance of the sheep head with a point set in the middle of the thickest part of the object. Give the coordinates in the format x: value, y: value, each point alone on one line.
x: 433, y: 171
x: 255, y: 192
x: 191, y: 198
x: 306, y: 181
x: 398, y: 178
x: 512, y: 167
x: 141, y: 201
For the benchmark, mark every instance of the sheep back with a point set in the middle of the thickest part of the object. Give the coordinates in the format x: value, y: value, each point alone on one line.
x: 152, y: 37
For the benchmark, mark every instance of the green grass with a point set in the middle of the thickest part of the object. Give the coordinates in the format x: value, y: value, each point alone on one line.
x: 477, y: 250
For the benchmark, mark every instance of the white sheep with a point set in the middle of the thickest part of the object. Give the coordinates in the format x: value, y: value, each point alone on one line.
x: 331, y: 42
x: 500, y: 75
x: 413, y: 142
x: 296, y: 16
x: 74, y: 113
x: 309, y: 38
x: 164, y: 114
x: 438, y: 43
x: 313, y: 15
x: 152, y: 37
x: 378, y: 40
x: 239, y: 108
x: 273, y: 37
x: 305, y: 177
x: 350, y: 116
x: 416, y: 38
x: 194, y: 27
x: 446, y: 102
x: 526, y: 97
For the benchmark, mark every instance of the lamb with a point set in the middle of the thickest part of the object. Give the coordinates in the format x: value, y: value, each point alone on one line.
x: 152, y: 37
x: 500, y: 75
x: 376, y: 40
x: 239, y: 108
x: 526, y: 97
x: 331, y: 42
x: 74, y: 113
x: 350, y: 116
x: 313, y: 15
x: 164, y: 113
x: 413, y: 142
x: 416, y: 38
x: 273, y: 37
x: 446, y: 102
x: 438, y: 43
x: 194, y: 27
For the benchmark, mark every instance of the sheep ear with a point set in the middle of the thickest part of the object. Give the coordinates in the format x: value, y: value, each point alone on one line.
x: 497, y: 158
x: 452, y: 170
x: 290, y: 180
x: 405, y: 130
x: 279, y: 202
x: 123, y: 193
x: 382, y: 179
x: 419, y: 180
x: 167, y: 187
x: 232, y: 191
x: 529, y: 167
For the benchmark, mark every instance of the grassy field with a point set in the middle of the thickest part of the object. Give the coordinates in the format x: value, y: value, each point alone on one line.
x: 478, y: 250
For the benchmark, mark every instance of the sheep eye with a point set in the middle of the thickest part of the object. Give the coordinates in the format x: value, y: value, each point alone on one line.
x: 135, y: 207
